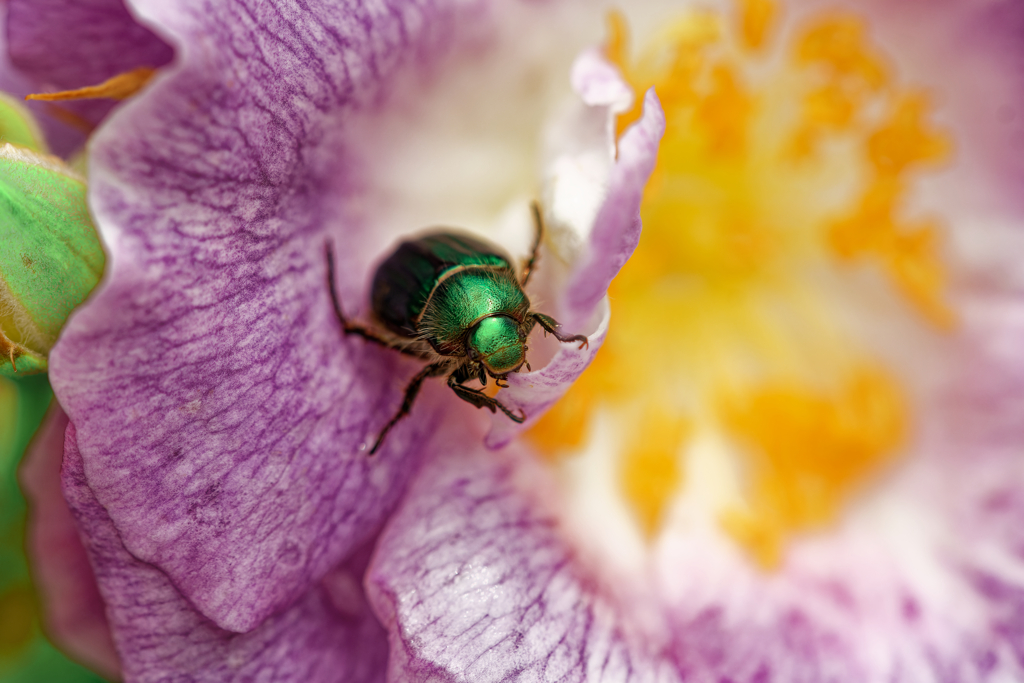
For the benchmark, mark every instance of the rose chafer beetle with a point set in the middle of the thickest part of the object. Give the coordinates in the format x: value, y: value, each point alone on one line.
x: 455, y: 301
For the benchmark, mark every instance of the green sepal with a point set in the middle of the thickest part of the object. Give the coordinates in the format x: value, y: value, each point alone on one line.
x: 51, y: 256
x: 18, y: 127
x: 28, y: 362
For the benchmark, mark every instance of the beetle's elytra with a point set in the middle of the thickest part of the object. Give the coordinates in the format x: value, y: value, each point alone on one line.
x: 456, y: 302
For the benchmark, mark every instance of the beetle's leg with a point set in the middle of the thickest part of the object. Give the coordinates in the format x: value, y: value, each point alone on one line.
x: 481, y: 400
x: 538, y: 222
x: 411, y: 389
x: 348, y: 326
x: 551, y: 325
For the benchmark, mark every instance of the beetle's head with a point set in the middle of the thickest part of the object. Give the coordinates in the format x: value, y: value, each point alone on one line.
x: 499, y: 344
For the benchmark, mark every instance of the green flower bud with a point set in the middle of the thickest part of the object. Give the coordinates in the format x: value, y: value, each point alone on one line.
x: 18, y: 127
x: 50, y: 255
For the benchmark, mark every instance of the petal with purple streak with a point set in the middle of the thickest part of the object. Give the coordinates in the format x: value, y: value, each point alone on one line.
x: 75, y: 616
x: 221, y: 415
x: 328, y: 634
x: 475, y: 581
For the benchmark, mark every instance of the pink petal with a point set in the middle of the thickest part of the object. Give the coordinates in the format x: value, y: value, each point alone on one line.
x: 74, y: 612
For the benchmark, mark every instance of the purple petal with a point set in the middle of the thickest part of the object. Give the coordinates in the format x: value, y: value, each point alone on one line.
x: 616, y: 230
x: 67, y: 44
x: 995, y: 37
x: 59, y: 137
x: 329, y: 634
x: 473, y: 584
x: 222, y: 417
x: 614, y: 236
x: 74, y: 614
x: 475, y: 581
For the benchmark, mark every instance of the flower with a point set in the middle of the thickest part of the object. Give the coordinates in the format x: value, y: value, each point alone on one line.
x: 213, y: 460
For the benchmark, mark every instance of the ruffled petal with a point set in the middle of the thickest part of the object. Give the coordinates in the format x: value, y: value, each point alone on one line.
x: 616, y: 229
x: 222, y: 416
x: 328, y: 634
x: 75, y: 616
x: 613, y: 222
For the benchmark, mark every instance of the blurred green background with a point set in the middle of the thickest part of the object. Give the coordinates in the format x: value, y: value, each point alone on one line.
x: 26, y: 656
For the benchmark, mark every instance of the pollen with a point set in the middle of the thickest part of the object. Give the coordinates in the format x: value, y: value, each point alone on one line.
x: 757, y: 17
x: 806, y: 450
x: 790, y: 158
x: 651, y: 476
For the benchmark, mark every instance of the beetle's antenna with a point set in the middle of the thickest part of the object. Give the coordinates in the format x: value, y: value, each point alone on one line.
x: 538, y: 222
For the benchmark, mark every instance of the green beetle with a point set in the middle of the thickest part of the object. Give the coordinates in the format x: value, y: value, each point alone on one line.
x: 453, y: 300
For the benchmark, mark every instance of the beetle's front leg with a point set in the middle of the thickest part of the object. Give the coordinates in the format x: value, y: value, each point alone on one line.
x: 551, y: 325
x: 480, y: 399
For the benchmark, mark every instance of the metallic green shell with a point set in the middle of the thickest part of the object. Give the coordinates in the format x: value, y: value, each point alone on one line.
x: 404, y: 281
x: 465, y: 296
x: 436, y: 287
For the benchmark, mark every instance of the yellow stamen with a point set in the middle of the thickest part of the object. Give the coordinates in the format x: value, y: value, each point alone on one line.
x: 904, y: 141
x: 121, y: 86
x: 807, y: 451
x: 724, y: 113
x: 651, y: 476
x: 839, y: 44
x: 757, y: 18
x: 682, y: 59
x: 908, y: 252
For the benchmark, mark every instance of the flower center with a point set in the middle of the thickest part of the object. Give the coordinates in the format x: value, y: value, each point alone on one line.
x: 774, y: 224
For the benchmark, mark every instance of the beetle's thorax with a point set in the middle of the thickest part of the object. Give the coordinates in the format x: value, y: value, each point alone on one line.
x: 499, y: 343
x: 475, y: 302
